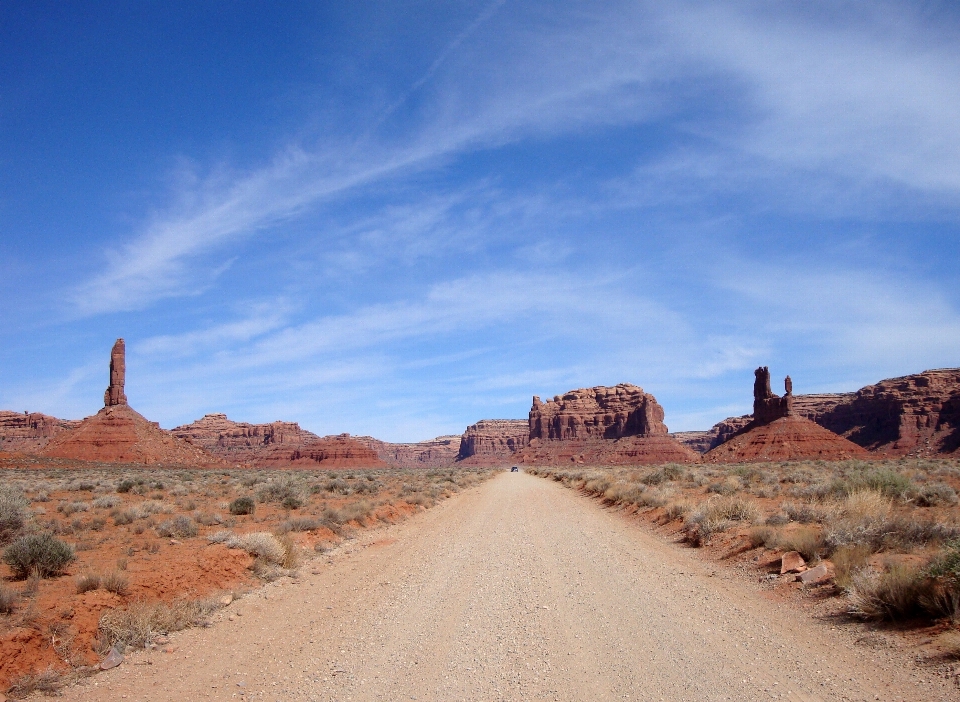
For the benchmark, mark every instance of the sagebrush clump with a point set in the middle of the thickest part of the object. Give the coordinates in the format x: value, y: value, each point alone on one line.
x: 42, y: 555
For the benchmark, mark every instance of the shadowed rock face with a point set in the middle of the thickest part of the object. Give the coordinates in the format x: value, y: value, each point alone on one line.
x: 767, y: 405
x: 118, y: 371
x: 493, y: 440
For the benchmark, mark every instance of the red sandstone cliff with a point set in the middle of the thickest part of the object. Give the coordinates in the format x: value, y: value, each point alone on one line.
x: 432, y: 453
x: 493, y: 441
x: 30, y: 432
x: 619, y: 425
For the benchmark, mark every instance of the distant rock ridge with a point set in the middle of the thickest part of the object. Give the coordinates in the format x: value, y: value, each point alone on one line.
x: 29, y: 432
x: 432, y: 453
x: 491, y: 441
x: 777, y: 433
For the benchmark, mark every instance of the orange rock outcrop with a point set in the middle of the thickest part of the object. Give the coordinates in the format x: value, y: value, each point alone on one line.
x: 493, y: 441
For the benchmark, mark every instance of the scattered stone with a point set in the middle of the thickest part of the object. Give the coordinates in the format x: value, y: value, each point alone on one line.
x: 791, y: 562
x: 169, y: 649
x: 226, y: 600
x: 815, y: 575
x: 162, y: 640
x: 113, y: 659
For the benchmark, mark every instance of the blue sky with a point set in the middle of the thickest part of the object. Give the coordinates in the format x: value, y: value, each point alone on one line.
x: 397, y: 218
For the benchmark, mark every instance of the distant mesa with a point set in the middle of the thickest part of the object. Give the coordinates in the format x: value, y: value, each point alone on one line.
x: 493, y: 441
x: 119, y: 434
x: 432, y: 453
x: 777, y: 433
x: 29, y: 432
x: 620, y: 425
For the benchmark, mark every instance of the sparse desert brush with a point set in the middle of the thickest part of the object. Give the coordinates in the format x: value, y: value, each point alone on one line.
x: 665, y: 473
x: 763, y: 536
x: 41, y: 554
x: 141, y: 622
x: 935, y: 494
x: 242, y: 505
x: 8, y: 598
x: 220, y: 537
x: 181, y: 527
x: 115, y: 582
x: 300, y: 524
x: 807, y: 541
x: 895, y: 594
x: 47, y: 682
x: 865, y: 505
x: 13, y: 512
x: 728, y: 486
x: 848, y: 561
x: 678, y: 509
x: 68, y: 508
x: 290, y: 558
x: 261, y: 545
x: 88, y: 582
x: 208, y: 519
x: 106, y: 502
x: 716, y: 515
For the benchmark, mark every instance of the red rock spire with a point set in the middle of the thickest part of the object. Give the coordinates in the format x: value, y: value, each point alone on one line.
x: 118, y: 370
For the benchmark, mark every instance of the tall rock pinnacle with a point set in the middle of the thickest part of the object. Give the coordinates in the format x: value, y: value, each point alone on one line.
x: 118, y: 370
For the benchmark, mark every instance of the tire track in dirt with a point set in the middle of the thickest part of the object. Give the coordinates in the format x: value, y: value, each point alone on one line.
x: 518, y: 589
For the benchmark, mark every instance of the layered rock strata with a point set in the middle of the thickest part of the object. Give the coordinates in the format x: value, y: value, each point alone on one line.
x: 493, y: 441
x: 619, y: 425
x: 275, y: 444
x: 119, y: 434
x: 432, y: 453
x: 29, y: 432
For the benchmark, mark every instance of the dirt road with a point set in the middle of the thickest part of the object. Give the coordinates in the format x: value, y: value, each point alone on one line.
x: 518, y: 589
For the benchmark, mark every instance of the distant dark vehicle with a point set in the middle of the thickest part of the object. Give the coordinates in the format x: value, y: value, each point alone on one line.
x: 514, y: 469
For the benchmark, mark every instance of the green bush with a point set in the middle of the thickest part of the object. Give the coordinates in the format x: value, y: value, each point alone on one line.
x: 243, y: 505
x: 42, y: 554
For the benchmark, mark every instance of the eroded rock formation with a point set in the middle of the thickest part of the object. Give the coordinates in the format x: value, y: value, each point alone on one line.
x: 432, y: 453
x: 492, y: 441
x: 619, y: 425
x: 29, y: 432
x: 777, y: 433
x: 119, y: 434
x: 114, y: 394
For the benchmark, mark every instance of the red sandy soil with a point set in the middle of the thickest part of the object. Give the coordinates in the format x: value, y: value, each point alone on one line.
x: 56, y: 628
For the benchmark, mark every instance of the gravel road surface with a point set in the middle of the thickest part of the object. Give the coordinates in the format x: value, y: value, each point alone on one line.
x: 518, y: 589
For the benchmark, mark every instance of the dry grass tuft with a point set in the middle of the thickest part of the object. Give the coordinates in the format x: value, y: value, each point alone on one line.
x: 895, y: 594
x: 141, y: 622
x: 47, y: 682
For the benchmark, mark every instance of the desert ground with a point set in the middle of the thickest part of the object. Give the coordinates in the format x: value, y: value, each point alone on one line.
x: 517, y: 589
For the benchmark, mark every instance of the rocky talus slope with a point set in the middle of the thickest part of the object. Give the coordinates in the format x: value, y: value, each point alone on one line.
x: 120, y: 434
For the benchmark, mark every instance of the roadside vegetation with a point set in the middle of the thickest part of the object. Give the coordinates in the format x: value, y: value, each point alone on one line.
x: 142, y: 552
x: 888, y: 531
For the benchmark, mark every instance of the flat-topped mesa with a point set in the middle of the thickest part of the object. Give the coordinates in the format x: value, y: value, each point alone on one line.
x: 118, y: 370
x: 493, y: 440
x: 767, y: 405
x: 597, y: 413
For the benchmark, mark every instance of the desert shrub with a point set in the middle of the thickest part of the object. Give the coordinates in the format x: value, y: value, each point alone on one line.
x: 106, y: 502
x: 262, y: 545
x: 121, y: 518
x: 289, y: 552
x: 777, y: 519
x: 292, y: 502
x: 208, y: 519
x: 220, y: 537
x: 242, y: 505
x: 139, y: 624
x: 125, y: 485
x: 13, y: 512
x: 896, y: 593
x: 728, y: 486
x: 806, y: 512
x: 949, y: 643
x: 181, y: 527
x: 807, y: 541
x: 848, y: 561
x: 281, y: 490
x: 47, y: 682
x: 300, y: 524
x: 42, y: 554
x: 668, y: 472
x: 655, y: 497
x: 763, y: 536
x: 678, y: 509
x: 934, y: 494
x: 944, y: 573
x: 368, y: 488
x: 115, y: 582
x: 8, y: 598
x: 88, y: 582
x: 69, y: 508
x: 888, y: 482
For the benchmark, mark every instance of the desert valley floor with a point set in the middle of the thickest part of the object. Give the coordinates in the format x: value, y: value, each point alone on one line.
x: 516, y: 589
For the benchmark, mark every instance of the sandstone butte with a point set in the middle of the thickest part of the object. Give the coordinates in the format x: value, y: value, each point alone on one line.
x: 619, y: 425
x: 778, y: 433
x: 432, y: 453
x: 493, y: 441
